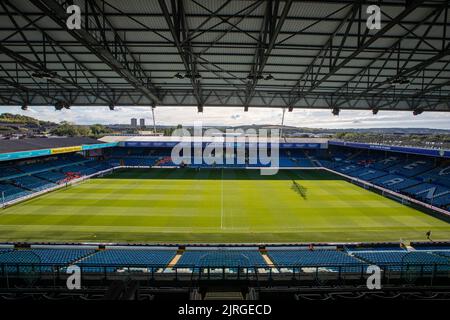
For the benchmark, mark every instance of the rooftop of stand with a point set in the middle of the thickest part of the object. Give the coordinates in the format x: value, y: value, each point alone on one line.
x: 17, y: 145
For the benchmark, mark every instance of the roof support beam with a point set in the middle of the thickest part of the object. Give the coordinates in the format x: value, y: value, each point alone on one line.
x: 234, y: 46
x: 35, y: 66
x: 52, y: 42
x: 236, y: 98
x: 270, y: 28
x: 26, y: 90
x: 324, y: 51
x: 201, y: 61
x: 408, y: 72
x: 366, y: 70
x: 176, y: 20
x: 58, y: 14
x: 411, y: 6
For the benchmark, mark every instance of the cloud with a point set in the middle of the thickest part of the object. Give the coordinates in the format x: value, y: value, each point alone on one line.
x: 237, y: 116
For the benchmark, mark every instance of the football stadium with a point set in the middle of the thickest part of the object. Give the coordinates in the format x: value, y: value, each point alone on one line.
x: 148, y: 216
x: 226, y: 205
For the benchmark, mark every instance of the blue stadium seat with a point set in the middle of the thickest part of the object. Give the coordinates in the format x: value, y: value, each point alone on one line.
x: 326, y: 163
x: 144, y: 162
x: 404, y: 260
x: 352, y: 249
x: 430, y: 193
x: 32, y: 183
x: 412, y: 168
x: 53, y: 176
x: 4, y: 250
x: 348, y: 168
x: 387, y: 162
x: 430, y: 247
x: 6, y: 171
x: 330, y: 259
x: 442, y: 201
x: 445, y: 254
x: 9, y: 192
x: 46, y: 258
x: 25, y: 179
x: 368, y: 174
x: 221, y: 258
x: 440, y: 175
x: 116, y: 258
x: 395, y: 182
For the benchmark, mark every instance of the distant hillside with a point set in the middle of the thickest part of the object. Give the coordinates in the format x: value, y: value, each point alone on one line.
x: 369, y: 130
x: 20, y: 119
x: 396, y: 130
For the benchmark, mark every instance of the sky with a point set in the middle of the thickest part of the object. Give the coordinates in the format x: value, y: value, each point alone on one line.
x: 231, y: 116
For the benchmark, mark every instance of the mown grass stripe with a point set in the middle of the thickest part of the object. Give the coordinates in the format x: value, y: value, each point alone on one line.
x: 154, y: 205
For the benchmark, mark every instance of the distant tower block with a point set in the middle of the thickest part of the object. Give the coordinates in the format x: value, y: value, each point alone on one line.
x: 142, y: 123
x: 134, y: 122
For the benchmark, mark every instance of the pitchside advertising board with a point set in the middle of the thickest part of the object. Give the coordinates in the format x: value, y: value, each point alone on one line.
x: 53, y: 151
x: 410, y: 150
x: 146, y: 144
x: 66, y: 149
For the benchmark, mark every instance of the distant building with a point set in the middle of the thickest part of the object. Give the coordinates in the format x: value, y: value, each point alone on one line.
x: 133, y: 122
x: 142, y: 123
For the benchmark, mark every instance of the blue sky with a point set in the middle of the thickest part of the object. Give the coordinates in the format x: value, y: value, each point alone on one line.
x: 236, y: 116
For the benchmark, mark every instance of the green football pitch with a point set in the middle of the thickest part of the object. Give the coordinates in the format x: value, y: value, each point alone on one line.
x: 213, y: 205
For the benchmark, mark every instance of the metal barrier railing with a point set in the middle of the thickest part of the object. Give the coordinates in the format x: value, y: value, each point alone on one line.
x: 325, y: 272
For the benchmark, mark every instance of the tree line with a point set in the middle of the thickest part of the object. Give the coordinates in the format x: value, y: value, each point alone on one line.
x: 73, y: 130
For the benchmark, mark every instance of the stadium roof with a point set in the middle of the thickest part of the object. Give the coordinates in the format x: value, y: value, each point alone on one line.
x: 289, y: 54
x: 17, y: 145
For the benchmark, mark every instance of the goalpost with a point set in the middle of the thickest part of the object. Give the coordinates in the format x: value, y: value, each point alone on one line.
x: 384, y: 192
x: 394, y: 196
x: 360, y: 183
